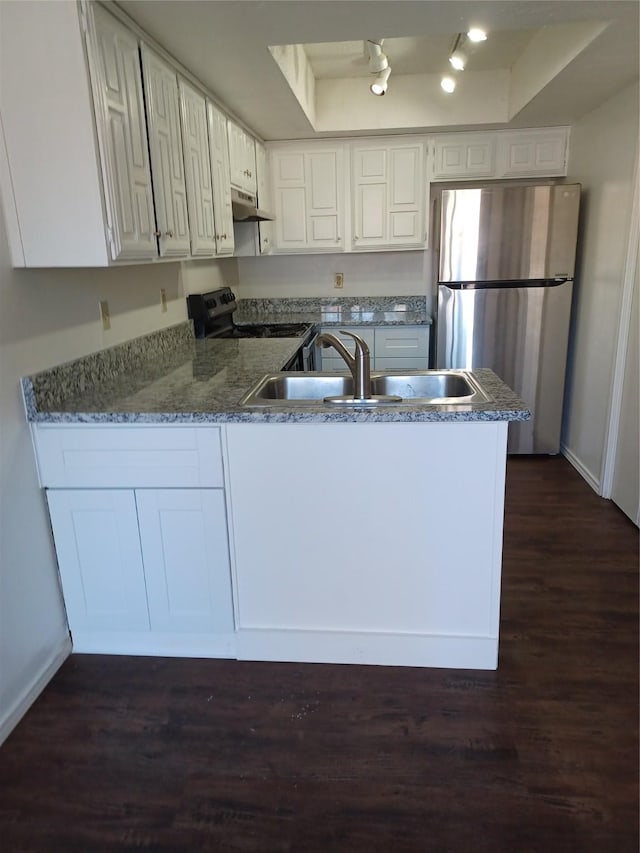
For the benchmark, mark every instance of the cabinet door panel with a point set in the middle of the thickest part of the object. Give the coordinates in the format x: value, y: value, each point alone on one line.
x: 98, y: 548
x: 165, y: 142
x: 371, y: 164
x: 389, y: 196
x: 404, y: 226
x: 291, y: 219
x: 118, y: 86
x: 322, y: 182
x: 186, y: 559
x: 323, y: 200
x: 242, y: 158
x: 198, y: 171
x: 309, y: 199
x: 531, y: 154
x: 464, y: 158
x: 221, y: 177
x: 324, y: 229
x: 405, y: 177
x: 289, y: 167
x: 371, y: 214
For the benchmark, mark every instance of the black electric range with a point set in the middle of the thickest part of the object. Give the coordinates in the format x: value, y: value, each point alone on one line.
x: 212, y: 315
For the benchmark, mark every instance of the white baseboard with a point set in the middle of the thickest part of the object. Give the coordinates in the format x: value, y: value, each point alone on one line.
x: 154, y: 644
x: 424, y: 650
x: 584, y: 472
x: 19, y: 708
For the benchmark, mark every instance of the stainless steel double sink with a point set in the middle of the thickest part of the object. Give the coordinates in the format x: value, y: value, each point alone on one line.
x: 420, y: 387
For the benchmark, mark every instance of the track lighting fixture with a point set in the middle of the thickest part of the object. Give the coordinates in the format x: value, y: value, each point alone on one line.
x: 378, y: 65
x: 458, y: 57
x: 379, y: 85
x: 377, y: 59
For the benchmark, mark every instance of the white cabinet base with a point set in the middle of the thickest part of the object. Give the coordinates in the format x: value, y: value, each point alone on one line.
x: 155, y: 644
x: 364, y: 648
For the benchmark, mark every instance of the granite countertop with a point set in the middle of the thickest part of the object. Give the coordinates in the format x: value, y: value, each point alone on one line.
x: 345, y: 311
x: 169, y: 377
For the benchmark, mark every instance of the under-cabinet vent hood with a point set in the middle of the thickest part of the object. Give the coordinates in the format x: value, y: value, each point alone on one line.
x: 245, y: 209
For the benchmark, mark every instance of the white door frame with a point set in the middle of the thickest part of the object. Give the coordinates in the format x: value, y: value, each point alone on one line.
x: 624, y: 326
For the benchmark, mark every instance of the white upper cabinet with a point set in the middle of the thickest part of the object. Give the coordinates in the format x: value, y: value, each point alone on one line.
x: 265, y: 199
x: 122, y: 130
x: 464, y: 155
x: 167, y: 161
x: 388, y: 195
x: 195, y: 143
x: 219, y: 148
x: 525, y: 154
x: 531, y: 153
x: 308, y: 186
x: 242, y: 157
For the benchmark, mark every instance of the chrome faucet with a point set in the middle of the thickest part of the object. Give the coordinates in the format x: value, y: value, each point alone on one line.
x: 359, y: 364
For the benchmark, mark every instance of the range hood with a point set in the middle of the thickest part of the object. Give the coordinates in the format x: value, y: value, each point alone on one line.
x: 245, y: 209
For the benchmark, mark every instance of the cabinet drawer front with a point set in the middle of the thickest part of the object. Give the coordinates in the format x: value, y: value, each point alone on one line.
x: 416, y: 363
x: 328, y: 355
x: 367, y: 333
x: 402, y: 342
x: 123, y: 457
x: 333, y: 364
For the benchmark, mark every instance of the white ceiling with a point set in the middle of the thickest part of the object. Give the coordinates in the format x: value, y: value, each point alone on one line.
x: 225, y: 43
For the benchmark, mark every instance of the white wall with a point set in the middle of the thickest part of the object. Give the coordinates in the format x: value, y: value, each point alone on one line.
x: 369, y: 274
x: 46, y: 317
x: 604, y: 150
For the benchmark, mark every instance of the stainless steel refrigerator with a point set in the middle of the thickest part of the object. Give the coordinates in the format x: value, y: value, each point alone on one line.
x: 506, y: 264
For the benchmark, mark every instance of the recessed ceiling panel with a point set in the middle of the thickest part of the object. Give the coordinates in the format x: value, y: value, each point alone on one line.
x: 416, y: 55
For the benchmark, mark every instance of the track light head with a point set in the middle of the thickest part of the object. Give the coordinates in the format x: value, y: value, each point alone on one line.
x: 379, y: 85
x: 476, y: 34
x: 458, y: 60
x: 448, y: 85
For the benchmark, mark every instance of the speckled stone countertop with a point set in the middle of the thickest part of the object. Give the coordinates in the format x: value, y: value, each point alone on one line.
x: 203, y: 381
x: 326, y: 311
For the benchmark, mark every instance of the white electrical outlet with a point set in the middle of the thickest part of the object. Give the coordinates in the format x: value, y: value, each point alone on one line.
x: 105, y: 316
x: 338, y: 280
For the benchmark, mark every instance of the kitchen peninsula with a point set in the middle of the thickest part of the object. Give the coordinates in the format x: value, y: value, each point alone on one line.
x: 188, y: 524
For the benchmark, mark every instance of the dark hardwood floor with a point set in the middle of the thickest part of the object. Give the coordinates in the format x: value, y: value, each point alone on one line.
x: 191, y: 755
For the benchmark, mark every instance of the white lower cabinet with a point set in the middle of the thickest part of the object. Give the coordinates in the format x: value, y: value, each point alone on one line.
x: 392, y: 347
x: 139, y: 521
x: 140, y: 567
x: 376, y: 572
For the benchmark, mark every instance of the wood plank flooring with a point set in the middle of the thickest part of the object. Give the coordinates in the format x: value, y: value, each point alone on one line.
x: 198, y: 755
